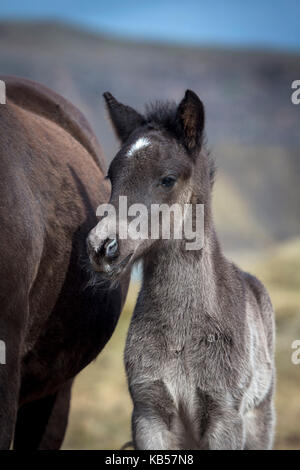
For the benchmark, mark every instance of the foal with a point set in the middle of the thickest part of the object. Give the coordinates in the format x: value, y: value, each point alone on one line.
x: 199, y: 352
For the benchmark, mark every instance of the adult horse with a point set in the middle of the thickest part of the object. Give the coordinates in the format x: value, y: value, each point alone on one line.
x: 51, y: 324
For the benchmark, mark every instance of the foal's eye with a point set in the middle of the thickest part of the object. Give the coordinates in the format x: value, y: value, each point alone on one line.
x: 168, y: 182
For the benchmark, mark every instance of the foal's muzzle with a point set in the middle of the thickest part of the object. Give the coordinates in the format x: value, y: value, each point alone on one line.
x: 107, y: 249
x: 105, y: 257
x: 111, y: 248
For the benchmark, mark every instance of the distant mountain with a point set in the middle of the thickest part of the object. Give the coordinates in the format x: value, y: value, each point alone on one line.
x: 252, y: 126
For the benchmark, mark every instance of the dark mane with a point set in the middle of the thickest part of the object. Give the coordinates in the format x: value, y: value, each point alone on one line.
x: 162, y: 114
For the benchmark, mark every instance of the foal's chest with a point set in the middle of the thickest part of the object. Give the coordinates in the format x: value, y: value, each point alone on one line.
x: 202, y: 357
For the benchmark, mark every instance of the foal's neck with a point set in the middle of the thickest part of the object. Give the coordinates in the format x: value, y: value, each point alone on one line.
x: 174, y: 277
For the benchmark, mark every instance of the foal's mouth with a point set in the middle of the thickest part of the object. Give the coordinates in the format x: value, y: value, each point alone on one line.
x: 111, y: 271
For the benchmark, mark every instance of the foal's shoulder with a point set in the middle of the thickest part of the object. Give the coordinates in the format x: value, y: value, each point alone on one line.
x: 39, y: 99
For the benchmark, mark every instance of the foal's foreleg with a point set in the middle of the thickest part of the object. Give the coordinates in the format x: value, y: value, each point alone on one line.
x: 260, y: 424
x: 226, y: 431
x: 152, y: 415
x: 149, y: 431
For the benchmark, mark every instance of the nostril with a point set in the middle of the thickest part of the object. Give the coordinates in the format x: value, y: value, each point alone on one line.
x: 111, y: 248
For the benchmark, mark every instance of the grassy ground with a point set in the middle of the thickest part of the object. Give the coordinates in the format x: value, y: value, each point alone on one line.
x: 101, y: 408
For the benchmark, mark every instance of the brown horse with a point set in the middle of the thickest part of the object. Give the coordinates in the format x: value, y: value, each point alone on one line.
x: 52, y: 326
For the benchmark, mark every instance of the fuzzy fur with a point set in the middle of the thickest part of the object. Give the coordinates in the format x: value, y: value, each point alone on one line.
x: 199, y: 354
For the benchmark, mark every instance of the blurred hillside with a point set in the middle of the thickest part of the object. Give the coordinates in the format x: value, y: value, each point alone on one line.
x: 252, y: 127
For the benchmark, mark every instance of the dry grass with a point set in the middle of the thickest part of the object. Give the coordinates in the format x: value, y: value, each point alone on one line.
x: 101, y: 408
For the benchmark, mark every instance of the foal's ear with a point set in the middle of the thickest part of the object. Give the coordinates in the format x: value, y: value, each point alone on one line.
x: 124, y: 118
x: 190, y: 119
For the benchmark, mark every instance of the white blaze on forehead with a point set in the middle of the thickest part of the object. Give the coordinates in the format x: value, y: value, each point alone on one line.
x: 140, y: 143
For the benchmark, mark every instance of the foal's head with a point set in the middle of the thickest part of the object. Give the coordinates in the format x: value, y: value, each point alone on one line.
x: 160, y: 162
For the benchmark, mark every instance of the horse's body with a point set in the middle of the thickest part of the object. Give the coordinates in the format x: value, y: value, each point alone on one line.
x: 200, y: 349
x: 199, y: 355
x: 51, y: 171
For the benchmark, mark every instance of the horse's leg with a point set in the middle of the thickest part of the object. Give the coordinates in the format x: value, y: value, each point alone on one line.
x: 42, y: 424
x: 12, y: 316
x: 226, y: 432
x: 152, y: 416
x: 9, y: 389
x: 57, y: 424
x: 260, y: 425
x: 150, y: 432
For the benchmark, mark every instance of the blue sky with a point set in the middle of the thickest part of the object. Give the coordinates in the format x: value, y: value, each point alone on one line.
x: 266, y: 23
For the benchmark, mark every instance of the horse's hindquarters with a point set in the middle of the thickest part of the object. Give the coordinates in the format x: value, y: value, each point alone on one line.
x: 50, y: 186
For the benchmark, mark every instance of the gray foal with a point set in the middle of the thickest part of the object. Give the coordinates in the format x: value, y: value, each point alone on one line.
x: 200, y: 348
